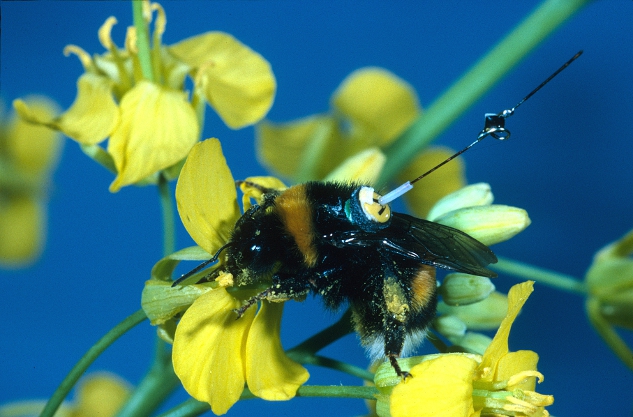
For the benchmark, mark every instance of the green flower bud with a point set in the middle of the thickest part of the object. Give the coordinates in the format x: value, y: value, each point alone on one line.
x: 484, y: 315
x: 463, y: 289
x: 450, y: 326
x: 472, y: 342
x: 473, y: 195
x: 487, y: 224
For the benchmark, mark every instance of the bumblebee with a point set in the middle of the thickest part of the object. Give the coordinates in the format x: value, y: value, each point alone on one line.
x: 336, y: 240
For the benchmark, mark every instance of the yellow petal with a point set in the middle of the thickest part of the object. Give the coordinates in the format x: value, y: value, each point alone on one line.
x: 238, y: 82
x: 34, y: 148
x: 206, y: 196
x: 515, y: 362
x: 158, y: 128
x: 22, y: 227
x: 270, y: 374
x: 91, y: 118
x: 251, y: 192
x: 432, y: 188
x: 102, y: 395
x: 517, y: 296
x: 363, y: 167
x: 208, y: 350
x: 286, y: 148
x: 488, y: 224
x: 439, y: 387
x: 377, y: 102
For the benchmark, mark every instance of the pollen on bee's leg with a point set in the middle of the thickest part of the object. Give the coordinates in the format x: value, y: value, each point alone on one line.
x: 249, y: 303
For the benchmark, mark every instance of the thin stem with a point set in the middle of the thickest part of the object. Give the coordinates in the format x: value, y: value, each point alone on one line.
x: 608, y: 333
x: 93, y: 353
x: 337, y: 365
x: 477, y: 81
x: 554, y: 279
x: 169, y: 226
x: 142, y: 40
x: 155, y: 387
x: 322, y: 339
x: 192, y: 408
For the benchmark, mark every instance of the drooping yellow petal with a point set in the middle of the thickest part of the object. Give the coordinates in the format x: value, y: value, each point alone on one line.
x: 427, y: 192
x: 22, y: 229
x: 208, y: 349
x: 91, y: 118
x: 102, y: 395
x: 286, y: 148
x: 363, y: 167
x: 158, y: 128
x: 206, y: 196
x: 238, y: 82
x: 517, y: 296
x: 377, y: 102
x: 440, y: 387
x: 270, y: 374
x: 34, y: 148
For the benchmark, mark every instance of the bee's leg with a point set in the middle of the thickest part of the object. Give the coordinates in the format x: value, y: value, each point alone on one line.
x: 285, y: 287
x: 264, y: 190
x: 250, y: 302
x: 394, y: 342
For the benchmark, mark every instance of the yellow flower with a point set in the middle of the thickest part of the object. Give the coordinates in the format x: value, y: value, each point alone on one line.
x: 150, y: 121
x: 370, y: 108
x: 28, y: 154
x: 100, y: 394
x: 461, y: 384
x: 214, y: 354
x: 609, y: 283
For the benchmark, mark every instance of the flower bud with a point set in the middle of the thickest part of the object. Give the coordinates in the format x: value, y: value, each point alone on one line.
x: 450, y: 326
x: 484, y: 315
x: 487, y: 224
x: 473, y: 195
x: 463, y: 289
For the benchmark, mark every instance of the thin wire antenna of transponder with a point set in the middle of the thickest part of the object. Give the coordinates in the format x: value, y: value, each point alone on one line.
x: 494, y: 126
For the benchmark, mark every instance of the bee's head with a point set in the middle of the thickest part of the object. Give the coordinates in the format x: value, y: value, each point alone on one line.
x: 364, y: 210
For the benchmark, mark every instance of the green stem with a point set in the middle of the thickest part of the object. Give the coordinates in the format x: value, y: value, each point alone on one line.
x: 310, y: 346
x: 155, y: 387
x: 93, y: 353
x: 192, y: 408
x: 142, y: 40
x: 554, y: 279
x: 608, y: 333
x: 477, y: 81
x: 169, y: 226
x: 334, y: 364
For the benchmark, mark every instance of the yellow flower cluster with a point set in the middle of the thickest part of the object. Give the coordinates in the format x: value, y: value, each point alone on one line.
x: 150, y: 121
x: 28, y: 155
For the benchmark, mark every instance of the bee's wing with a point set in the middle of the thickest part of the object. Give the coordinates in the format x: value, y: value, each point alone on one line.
x: 426, y: 242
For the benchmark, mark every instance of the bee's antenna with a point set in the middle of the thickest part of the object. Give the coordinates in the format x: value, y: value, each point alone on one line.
x: 201, y: 266
x: 494, y: 126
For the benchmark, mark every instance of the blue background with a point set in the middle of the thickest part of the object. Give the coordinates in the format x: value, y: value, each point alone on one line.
x: 568, y: 164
